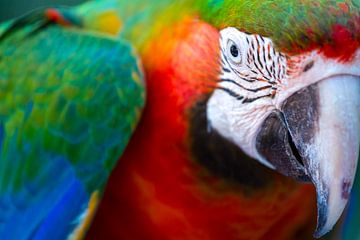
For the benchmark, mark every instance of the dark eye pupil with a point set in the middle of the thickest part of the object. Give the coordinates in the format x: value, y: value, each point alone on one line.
x: 234, y: 51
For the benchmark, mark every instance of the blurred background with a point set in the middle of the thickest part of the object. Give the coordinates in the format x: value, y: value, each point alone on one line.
x: 13, y: 8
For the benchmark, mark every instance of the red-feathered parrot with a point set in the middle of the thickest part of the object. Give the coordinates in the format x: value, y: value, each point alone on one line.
x: 236, y: 93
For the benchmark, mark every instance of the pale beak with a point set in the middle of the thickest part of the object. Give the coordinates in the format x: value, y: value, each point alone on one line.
x: 319, y: 128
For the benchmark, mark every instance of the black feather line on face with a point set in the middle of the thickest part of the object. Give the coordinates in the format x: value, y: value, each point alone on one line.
x: 237, y: 96
x: 245, y: 88
x: 231, y: 93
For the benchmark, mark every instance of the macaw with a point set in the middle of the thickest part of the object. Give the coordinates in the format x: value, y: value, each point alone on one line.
x: 204, y: 119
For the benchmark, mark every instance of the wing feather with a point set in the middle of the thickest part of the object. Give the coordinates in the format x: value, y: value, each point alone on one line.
x: 69, y: 102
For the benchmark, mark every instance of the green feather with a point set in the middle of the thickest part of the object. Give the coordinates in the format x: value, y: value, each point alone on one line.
x: 293, y: 27
x: 70, y: 102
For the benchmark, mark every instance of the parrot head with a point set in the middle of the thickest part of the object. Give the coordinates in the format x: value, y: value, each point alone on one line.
x: 286, y: 93
x: 294, y: 104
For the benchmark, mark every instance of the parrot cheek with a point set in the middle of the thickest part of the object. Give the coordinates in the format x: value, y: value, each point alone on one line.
x: 316, y: 136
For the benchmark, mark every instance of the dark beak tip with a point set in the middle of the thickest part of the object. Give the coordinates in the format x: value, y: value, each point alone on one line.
x: 322, y: 213
x: 320, y: 231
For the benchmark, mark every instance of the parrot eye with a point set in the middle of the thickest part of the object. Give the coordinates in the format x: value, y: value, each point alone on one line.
x: 234, y: 51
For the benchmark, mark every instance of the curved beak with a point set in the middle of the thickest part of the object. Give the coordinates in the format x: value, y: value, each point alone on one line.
x: 328, y: 143
x: 317, y: 132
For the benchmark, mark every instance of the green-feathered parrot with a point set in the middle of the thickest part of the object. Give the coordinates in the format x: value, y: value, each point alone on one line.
x: 236, y: 92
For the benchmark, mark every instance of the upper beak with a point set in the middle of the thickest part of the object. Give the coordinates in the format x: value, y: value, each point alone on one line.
x: 316, y: 137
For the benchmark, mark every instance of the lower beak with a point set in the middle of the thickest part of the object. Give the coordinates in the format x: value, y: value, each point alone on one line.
x: 319, y: 128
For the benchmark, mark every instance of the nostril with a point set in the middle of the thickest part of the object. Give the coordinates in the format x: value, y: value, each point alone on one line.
x: 308, y: 66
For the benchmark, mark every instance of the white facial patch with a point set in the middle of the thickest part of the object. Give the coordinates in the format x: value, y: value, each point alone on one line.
x: 255, y: 81
x: 251, y: 73
x: 253, y: 61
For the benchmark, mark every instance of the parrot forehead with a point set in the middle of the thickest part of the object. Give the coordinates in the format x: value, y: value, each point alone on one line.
x: 295, y: 27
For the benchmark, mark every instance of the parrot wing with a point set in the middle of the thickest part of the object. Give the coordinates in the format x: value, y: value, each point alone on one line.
x: 69, y: 102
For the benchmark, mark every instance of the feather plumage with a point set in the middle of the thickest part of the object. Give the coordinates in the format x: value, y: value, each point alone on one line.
x: 70, y: 101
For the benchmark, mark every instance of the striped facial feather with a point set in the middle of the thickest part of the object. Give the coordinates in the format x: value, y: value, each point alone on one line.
x: 256, y: 79
x: 251, y: 68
